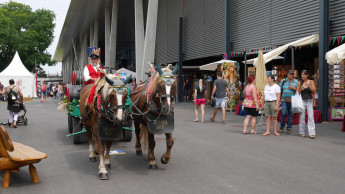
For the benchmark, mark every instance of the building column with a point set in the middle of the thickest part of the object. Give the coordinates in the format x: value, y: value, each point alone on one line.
x: 113, y: 36
x: 139, y: 37
x: 323, y: 66
x: 228, y: 28
x: 150, y: 37
x: 70, y: 67
x: 95, y: 33
x: 64, y: 63
x: 107, y: 32
x: 91, y: 35
x: 84, y: 52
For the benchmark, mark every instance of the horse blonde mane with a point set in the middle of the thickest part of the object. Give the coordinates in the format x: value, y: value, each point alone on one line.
x: 105, y: 90
x: 155, y: 80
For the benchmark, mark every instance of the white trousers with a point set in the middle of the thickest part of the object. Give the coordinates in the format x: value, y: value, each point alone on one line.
x: 308, y: 105
x: 12, y: 116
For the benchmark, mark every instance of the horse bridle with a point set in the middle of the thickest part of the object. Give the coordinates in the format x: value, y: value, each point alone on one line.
x: 169, y: 81
x: 108, y: 111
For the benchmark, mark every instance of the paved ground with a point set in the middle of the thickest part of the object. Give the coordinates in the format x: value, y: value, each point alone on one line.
x: 206, y: 158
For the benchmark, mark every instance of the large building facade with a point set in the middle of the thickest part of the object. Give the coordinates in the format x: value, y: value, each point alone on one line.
x: 131, y: 33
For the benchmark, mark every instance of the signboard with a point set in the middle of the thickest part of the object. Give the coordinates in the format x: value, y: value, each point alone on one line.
x: 337, y: 113
x: 107, y: 131
x: 164, y: 124
x: 123, y: 76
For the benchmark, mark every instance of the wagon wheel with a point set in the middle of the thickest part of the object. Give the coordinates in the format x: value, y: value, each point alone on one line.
x: 70, y: 124
x: 127, y: 134
x: 79, y: 138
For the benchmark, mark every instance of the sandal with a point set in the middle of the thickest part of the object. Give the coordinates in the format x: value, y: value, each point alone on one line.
x: 277, y: 134
x: 254, y: 132
x: 245, y: 132
x: 196, y: 120
x: 265, y: 134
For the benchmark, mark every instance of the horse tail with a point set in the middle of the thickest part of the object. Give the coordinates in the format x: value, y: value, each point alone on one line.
x: 144, y: 135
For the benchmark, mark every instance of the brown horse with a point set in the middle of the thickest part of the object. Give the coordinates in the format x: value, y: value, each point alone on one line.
x: 113, y: 99
x: 163, y: 91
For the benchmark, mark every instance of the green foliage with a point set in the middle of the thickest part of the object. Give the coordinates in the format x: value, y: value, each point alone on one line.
x: 72, y: 105
x: 26, y: 31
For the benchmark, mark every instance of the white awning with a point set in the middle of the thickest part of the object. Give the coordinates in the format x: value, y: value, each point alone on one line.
x: 251, y: 61
x: 336, y: 55
x: 213, y: 66
x: 276, y: 52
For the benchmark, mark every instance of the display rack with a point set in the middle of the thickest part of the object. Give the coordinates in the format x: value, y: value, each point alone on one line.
x: 337, y: 88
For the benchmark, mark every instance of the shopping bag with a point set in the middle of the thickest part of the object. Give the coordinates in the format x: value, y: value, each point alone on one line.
x: 297, y: 103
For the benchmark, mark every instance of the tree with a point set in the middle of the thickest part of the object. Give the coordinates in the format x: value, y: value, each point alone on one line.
x: 26, y: 31
x: 41, y: 73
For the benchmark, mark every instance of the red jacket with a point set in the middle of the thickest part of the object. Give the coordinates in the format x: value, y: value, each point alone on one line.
x: 92, y: 73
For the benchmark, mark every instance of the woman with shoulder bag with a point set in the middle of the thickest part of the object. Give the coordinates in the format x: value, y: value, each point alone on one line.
x: 251, y: 104
x: 307, y: 88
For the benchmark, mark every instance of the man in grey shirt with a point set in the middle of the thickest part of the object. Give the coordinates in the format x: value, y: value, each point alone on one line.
x: 220, y: 90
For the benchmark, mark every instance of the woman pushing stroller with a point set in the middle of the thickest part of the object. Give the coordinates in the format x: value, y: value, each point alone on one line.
x: 14, y: 97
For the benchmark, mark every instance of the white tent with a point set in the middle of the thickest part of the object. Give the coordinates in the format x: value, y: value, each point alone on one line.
x: 213, y: 66
x: 336, y: 55
x: 21, y: 76
x: 276, y: 52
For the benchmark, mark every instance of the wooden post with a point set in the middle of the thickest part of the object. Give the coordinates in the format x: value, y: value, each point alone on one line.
x: 6, y: 181
x: 33, y: 174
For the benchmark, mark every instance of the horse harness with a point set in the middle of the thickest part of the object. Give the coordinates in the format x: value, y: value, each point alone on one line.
x: 105, y: 109
x: 168, y: 80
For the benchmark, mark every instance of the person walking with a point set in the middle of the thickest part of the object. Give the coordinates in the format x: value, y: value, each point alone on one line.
x: 288, y: 88
x: 2, y: 92
x: 306, y: 88
x: 14, y: 97
x: 186, y: 87
x: 200, y: 100
x: 271, y: 101
x: 44, y: 92
x: 55, y: 90
x: 219, y: 92
x: 251, y: 104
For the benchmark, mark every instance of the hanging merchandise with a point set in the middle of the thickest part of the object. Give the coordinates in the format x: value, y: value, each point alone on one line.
x: 231, y: 76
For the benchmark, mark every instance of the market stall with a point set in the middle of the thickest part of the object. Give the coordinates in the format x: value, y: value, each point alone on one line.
x: 280, y: 71
x: 230, y: 70
x: 336, y: 60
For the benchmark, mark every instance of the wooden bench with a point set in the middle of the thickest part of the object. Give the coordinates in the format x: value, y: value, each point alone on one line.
x: 15, y: 155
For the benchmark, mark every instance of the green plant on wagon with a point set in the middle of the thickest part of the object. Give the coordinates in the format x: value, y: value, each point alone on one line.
x: 70, y: 106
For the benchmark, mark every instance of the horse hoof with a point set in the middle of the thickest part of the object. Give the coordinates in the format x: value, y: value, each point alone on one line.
x: 153, y: 167
x: 108, y: 166
x: 163, y: 160
x: 93, y: 159
x: 139, y: 153
x: 103, y: 176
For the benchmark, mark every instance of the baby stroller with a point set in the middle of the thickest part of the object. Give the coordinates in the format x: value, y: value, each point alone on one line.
x: 22, y: 118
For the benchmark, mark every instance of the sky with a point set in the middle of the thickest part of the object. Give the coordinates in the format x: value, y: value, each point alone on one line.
x: 60, y: 8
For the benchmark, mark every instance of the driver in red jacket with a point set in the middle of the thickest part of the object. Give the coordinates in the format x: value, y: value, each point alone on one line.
x: 91, y: 74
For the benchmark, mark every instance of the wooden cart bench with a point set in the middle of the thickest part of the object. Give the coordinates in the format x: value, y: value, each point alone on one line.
x: 15, y: 155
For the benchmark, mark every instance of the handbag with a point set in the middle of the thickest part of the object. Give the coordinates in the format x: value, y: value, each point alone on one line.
x: 297, y: 103
x: 213, y: 102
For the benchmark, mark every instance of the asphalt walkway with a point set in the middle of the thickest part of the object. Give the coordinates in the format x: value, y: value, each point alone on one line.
x: 206, y: 158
